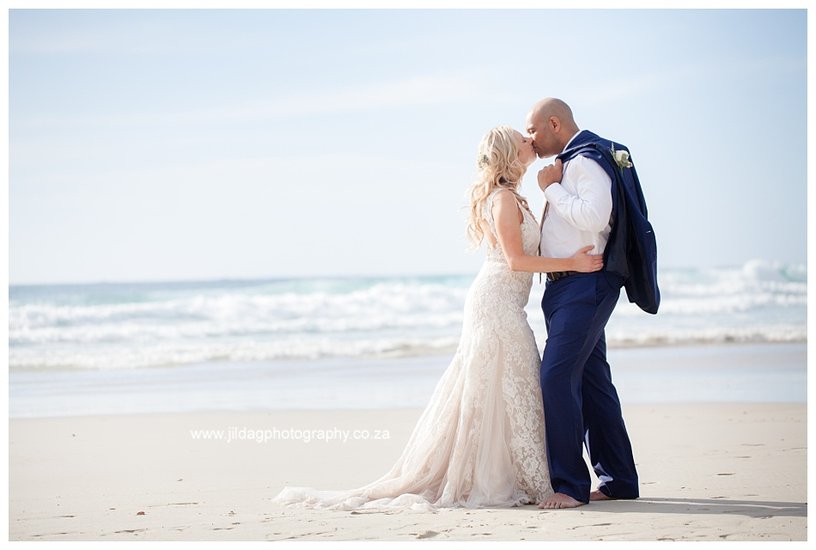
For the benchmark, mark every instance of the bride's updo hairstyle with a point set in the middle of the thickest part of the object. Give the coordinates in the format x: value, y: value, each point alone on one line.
x: 499, y: 168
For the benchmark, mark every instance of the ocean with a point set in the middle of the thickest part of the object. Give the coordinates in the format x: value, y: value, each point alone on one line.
x: 105, y: 333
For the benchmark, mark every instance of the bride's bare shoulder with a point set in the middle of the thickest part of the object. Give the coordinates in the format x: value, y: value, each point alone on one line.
x: 504, y: 201
x: 502, y: 194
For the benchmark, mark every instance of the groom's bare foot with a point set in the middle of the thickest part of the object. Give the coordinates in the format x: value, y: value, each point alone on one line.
x: 560, y: 500
x: 597, y: 495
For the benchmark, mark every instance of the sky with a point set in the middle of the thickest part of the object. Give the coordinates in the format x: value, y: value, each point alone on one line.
x: 158, y: 145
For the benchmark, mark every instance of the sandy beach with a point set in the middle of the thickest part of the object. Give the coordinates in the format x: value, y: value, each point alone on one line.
x: 708, y: 471
x: 242, y: 257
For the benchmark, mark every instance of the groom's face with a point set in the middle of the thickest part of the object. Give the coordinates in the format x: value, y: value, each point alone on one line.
x: 544, y: 139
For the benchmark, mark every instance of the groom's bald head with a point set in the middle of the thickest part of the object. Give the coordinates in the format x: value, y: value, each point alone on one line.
x: 551, y: 125
x: 552, y: 106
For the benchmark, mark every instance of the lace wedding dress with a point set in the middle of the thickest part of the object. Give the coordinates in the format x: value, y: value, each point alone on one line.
x: 480, y: 440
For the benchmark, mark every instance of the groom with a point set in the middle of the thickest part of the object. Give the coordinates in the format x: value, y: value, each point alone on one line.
x: 581, y: 404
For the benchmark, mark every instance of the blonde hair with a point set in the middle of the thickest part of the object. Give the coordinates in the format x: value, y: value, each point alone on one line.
x: 499, y: 168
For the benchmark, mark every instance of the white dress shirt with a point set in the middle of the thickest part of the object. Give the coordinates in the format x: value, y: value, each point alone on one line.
x: 580, y: 208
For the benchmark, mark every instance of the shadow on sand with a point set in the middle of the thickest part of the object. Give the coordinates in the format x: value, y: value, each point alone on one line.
x: 657, y: 505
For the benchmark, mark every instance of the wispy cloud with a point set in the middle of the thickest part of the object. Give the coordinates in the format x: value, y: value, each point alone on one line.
x: 117, y: 32
x: 632, y: 85
x: 399, y: 93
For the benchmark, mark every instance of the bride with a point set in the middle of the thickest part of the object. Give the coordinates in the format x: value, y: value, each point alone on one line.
x: 480, y: 440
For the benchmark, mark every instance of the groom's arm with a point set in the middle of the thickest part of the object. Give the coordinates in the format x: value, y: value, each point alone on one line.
x: 590, y: 207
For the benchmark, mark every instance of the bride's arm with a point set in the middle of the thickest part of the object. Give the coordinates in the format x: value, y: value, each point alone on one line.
x: 505, y: 214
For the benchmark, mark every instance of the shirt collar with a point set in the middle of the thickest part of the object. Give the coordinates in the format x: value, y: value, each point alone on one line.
x: 570, y: 140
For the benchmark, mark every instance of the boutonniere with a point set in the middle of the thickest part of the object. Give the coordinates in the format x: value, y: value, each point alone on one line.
x: 621, y: 158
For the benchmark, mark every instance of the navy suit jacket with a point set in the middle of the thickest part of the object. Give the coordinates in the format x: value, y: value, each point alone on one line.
x: 631, y: 251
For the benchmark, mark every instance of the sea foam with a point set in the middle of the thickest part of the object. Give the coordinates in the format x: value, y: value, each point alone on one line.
x: 127, y: 325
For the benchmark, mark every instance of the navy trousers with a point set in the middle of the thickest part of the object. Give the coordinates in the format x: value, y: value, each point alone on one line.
x: 581, y: 405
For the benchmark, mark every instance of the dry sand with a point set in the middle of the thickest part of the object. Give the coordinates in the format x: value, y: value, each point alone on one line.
x: 708, y: 472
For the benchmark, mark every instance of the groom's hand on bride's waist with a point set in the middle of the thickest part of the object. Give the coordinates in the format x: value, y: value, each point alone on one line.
x: 550, y: 174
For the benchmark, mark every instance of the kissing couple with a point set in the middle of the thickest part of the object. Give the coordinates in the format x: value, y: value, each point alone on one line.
x: 505, y: 426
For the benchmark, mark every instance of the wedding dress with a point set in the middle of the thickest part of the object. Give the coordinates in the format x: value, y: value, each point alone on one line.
x: 480, y: 440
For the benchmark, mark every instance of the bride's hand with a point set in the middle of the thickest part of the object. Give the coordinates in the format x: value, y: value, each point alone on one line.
x: 585, y: 262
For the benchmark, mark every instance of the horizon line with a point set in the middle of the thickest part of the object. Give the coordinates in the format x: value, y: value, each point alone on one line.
x: 246, y: 279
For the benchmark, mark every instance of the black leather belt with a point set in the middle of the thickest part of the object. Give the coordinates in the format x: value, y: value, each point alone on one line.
x: 559, y: 275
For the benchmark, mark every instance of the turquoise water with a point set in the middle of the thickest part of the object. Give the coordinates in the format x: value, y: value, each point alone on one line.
x: 142, y: 325
x: 371, y: 342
